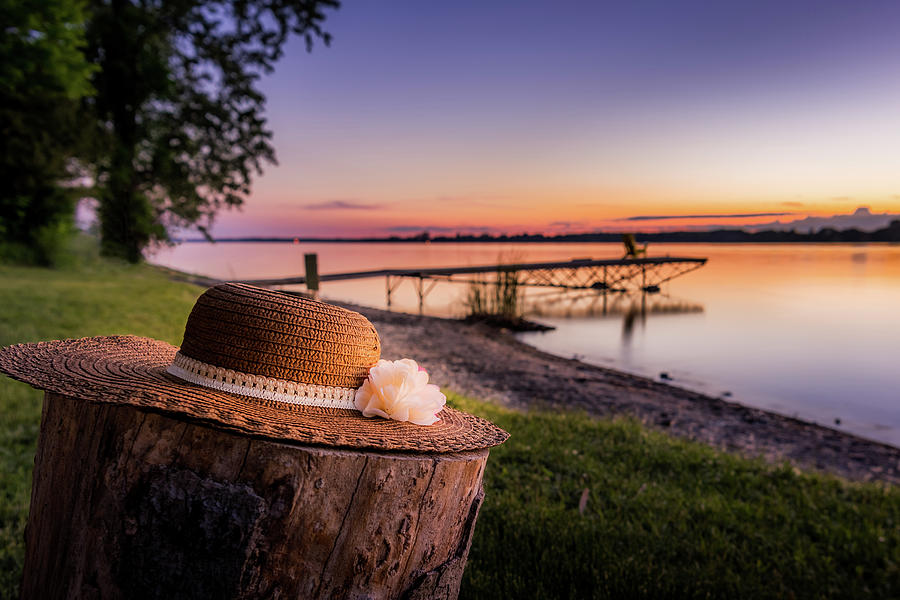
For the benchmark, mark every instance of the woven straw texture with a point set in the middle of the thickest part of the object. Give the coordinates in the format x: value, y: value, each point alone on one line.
x: 262, y: 332
x: 131, y: 370
x: 269, y: 334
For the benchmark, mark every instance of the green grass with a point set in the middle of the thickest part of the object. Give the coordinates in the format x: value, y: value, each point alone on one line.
x: 667, y: 518
x: 664, y: 518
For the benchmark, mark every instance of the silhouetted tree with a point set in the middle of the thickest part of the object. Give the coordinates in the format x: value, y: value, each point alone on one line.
x: 180, y: 117
x: 43, y: 74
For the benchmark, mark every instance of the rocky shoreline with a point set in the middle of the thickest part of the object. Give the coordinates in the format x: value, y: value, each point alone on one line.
x: 491, y: 364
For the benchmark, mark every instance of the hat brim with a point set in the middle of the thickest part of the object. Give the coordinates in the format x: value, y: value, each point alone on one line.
x: 131, y: 370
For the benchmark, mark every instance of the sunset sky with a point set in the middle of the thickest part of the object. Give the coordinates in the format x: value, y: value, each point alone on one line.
x: 574, y: 116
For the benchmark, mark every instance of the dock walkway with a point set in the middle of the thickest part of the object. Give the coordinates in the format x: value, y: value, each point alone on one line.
x: 612, y: 275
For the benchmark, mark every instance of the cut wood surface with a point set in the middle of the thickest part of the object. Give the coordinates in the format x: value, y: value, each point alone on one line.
x: 132, y: 504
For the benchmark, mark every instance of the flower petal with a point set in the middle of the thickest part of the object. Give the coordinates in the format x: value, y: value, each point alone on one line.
x: 400, y: 390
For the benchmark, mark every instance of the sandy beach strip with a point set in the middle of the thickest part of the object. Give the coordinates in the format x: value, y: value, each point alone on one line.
x: 490, y: 364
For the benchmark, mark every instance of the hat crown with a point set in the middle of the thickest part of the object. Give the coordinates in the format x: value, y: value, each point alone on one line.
x: 273, y: 334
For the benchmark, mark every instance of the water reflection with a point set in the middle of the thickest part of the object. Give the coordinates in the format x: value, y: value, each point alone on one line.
x: 633, y: 308
x: 568, y: 304
x: 631, y: 316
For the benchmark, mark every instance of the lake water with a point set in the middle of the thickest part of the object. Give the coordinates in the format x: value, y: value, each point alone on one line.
x: 805, y: 330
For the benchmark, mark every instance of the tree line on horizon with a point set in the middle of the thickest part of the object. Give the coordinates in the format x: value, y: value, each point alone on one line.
x: 151, y: 108
x: 891, y: 233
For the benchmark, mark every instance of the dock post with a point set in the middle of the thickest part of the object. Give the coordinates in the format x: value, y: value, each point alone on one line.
x: 421, y: 293
x: 312, y: 273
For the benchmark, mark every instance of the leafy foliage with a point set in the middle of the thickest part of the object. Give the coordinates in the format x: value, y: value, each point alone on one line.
x: 181, y: 131
x: 43, y: 74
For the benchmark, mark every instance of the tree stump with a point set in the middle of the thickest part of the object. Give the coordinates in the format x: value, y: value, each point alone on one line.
x: 128, y: 503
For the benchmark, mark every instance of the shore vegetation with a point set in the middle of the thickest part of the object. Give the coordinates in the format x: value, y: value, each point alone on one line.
x: 499, y: 301
x: 500, y: 297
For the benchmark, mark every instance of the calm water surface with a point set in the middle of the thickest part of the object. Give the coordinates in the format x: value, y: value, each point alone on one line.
x: 811, y: 331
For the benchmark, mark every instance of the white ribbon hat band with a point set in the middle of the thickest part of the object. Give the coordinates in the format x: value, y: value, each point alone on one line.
x: 258, y: 386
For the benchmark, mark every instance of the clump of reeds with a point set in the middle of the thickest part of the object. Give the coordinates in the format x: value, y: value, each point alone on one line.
x: 497, y: 299
x: 500, y: 301
x: 508, y: 294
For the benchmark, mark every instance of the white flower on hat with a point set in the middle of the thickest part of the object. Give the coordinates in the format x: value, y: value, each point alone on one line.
x: 399, y: 390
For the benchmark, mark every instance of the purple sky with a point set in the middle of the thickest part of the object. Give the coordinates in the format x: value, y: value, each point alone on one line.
x: 519, y: 116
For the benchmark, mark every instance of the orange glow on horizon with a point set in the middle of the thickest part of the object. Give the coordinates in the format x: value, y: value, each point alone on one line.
x: 535, y: 212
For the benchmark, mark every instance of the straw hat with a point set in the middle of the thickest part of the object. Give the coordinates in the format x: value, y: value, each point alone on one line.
x: 254, y: 361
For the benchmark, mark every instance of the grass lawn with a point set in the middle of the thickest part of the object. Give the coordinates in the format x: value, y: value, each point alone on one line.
x: 576, y: 507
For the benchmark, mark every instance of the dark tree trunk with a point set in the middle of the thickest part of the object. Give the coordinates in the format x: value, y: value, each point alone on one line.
x: 131, y: 504
x: 125, y: 215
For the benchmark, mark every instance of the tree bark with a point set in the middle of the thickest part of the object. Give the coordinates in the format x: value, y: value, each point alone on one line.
x: 126, y: 81
x: 133, y: 504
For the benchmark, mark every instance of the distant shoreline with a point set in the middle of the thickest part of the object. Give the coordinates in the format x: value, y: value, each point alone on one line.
x: 890, y: 234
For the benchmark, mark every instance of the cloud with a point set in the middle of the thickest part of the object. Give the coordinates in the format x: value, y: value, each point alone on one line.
x: 567, y: 224
x: 791, y: 203
x: 728, y: 216
x: 342, y: 205
x: 861, y: 218
x: 440, y: 229
x: 419, y: 228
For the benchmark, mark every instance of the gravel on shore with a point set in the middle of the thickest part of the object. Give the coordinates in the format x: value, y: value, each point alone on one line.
x: 491, y: 364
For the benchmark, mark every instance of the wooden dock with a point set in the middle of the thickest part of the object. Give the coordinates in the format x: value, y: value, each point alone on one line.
x: 615, y: 275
